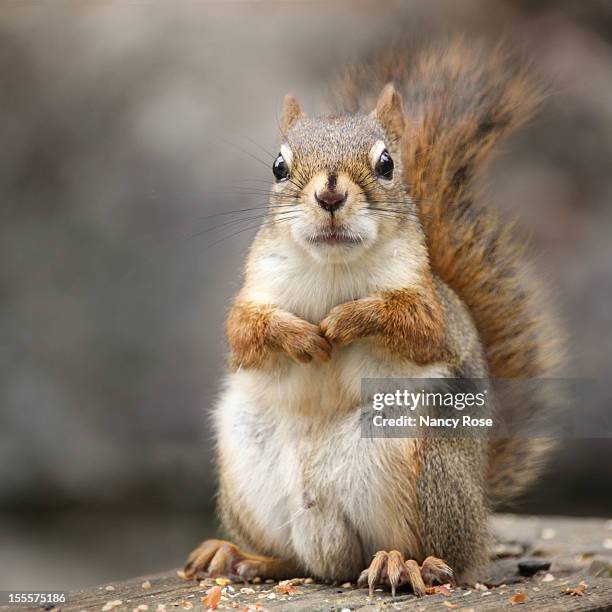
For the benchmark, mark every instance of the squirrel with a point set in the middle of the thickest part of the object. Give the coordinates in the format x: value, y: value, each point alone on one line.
x: 378, y: 259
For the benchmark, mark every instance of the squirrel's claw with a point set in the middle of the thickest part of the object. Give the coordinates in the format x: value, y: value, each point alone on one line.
x: 391, y: 569
x: 212, y: 558
x: 352, y: 320
x: 415, y: 577
x: 395, y: 570
x: 220, y: 558
x: 436, y: 571
x: 302, y: 340
x: 340, y: 326
x: 313, y: 345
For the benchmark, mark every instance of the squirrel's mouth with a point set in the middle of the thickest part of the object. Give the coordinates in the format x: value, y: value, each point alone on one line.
x: 335, y: 238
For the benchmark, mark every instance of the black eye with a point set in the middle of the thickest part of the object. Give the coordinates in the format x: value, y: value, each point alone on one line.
x: 280, y: 168
x: 384, y: 166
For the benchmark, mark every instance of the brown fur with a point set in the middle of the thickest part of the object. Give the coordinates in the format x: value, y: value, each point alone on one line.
x: 292, y: 111
x: 256, y: 331
x: 390, y: 113
x: 459, y: 103
x: 222, y: 558
x: 408, y: 322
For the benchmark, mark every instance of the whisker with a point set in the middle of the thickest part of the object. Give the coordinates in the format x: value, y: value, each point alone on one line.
x: 246, y: 229
x: 245, y: 152
x: 228, y: 223
x: 240, y: 210
x: 254, y: 180
x: 261, y: 148
x: 407, y: 213
x: 287, y: 193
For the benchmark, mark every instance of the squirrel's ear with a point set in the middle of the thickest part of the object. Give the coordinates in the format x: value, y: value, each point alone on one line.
x: 390, y: 112
x: 292, y: 111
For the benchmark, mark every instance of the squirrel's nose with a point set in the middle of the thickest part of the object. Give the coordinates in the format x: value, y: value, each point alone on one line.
x: 330, y: 200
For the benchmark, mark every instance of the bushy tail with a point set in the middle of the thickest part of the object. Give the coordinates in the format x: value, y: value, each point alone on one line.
x: 459, y: 102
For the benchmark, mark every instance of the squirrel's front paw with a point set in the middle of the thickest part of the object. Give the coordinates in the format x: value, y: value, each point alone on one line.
x: 391, y: 568
x: 300, y: 339
x: 349, y: 321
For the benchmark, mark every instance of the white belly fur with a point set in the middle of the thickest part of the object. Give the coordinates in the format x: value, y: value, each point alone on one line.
x: 291, y: 438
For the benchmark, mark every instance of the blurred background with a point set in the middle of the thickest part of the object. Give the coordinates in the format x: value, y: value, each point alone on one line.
x: 124, y: 126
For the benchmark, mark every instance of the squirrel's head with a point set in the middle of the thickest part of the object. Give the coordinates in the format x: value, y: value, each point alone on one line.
x: 338, y: 180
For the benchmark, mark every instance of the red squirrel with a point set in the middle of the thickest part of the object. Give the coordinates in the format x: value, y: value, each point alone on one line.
x: 378, y: 260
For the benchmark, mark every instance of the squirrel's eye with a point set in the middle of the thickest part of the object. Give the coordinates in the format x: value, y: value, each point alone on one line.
x: 384, y: 166
x: 280, y: 168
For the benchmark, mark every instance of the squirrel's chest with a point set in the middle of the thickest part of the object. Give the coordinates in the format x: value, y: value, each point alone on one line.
x: 311, y: 290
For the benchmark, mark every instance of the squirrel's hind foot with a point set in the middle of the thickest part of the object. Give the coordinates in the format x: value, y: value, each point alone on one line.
x: 220, y: 558
x: 391, y: 569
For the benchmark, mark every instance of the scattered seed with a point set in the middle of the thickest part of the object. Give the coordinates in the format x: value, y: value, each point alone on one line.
x: 518, y: 598
x: 146, y: 584
x: 109, y: 587
x: 309, y: 581
x: 347, y: 585
x: 111, y: 605
x: 548, y: 578
x: 577, y: 591
x: 292, y: 581
x: 213, y: 596
x: 222, y: 581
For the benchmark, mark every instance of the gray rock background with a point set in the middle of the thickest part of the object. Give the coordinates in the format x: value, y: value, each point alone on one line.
x: 122, y: 127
